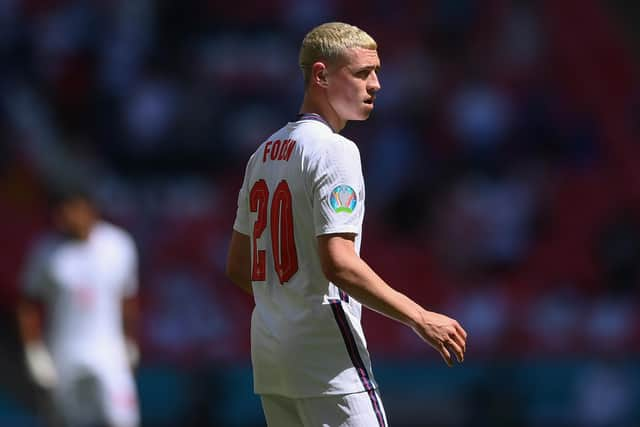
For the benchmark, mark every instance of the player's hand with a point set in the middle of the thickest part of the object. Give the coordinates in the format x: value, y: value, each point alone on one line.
x: 443, y: 334
x: 40, y: 365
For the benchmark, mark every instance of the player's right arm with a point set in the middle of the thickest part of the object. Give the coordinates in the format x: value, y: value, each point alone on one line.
x: 30, y: 319
x: 342, y: 266
x: 337, y: 193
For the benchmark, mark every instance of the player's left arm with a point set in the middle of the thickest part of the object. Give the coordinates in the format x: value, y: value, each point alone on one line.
x: 130, y: 316
x: 130, y: 303
x: 130, y: 322
x: 238, y: 268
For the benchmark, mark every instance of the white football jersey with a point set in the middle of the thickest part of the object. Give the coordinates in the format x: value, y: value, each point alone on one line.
x: 82, y: 284
x: 306, y: 337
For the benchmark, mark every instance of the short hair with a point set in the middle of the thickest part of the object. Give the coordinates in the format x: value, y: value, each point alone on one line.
x: 327, y: 42
x: 61, y: 195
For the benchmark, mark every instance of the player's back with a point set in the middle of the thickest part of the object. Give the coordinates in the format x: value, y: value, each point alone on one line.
x: 286, y: 271
x: 298, y: 348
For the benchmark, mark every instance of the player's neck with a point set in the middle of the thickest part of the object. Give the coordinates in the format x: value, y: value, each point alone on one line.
x: 83, y: 232
x: 324, y: 110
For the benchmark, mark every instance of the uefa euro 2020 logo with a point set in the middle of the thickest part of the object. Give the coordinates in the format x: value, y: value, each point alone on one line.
x: 343, y: 199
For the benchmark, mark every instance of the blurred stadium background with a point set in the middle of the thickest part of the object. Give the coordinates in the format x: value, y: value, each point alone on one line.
x: 503, y: 183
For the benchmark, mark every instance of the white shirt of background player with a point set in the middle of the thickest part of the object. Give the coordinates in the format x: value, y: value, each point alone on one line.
x: 87, y: 287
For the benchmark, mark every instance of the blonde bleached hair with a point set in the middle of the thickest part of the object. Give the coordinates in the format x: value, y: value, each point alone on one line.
x: 327, y: 42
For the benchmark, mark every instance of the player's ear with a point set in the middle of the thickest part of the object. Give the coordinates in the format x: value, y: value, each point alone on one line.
x: 319, y: 74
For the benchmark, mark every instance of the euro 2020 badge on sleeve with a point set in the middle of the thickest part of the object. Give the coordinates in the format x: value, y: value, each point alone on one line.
x: 343, y: 199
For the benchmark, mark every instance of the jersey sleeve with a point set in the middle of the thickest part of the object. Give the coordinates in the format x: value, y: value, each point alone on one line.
x: 337, y: 189
x: 241, y: 223
x: 131, y: 280
x: 36, y: 276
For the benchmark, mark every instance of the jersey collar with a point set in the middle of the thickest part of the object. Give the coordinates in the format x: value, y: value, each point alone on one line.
x: 313, y: 116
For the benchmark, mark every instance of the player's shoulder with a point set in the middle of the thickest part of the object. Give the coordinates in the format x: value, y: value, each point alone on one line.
x: 318, y: 140
x: 44, y: 246
x: 310, y: 140
x: 280, y: 134
x: 337, y: 149
x: 105, y: 231
x: 345, y: 143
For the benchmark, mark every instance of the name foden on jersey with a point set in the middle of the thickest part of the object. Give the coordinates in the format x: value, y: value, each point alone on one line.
x: 278, y: 150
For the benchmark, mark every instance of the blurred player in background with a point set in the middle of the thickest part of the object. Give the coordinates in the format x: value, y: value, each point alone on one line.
x: 296, y: 243
x: 77, y: 316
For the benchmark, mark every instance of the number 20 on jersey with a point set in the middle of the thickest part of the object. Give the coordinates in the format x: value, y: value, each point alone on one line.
x: 280, y: 219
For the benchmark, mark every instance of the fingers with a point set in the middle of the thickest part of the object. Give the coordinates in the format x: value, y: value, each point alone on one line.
x: 457, y: 349
x: 446, y: 355
x: 445, y: 335
x: 460, y: 330
x: 456, y: 342
x: 460, y: 341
